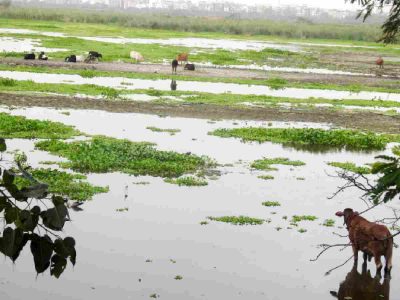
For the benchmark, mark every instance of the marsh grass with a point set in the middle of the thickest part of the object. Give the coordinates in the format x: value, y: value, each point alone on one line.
x: 271, y: 203
x: 73, y: 186
x: 334, y: 138
x: 241, y: 220
x: 103, y: 154
x: 352, y: 167
x: 21, y: 127
x: 8, y: 82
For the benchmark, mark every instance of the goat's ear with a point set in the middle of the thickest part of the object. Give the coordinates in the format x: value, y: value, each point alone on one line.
x: 340, y: 214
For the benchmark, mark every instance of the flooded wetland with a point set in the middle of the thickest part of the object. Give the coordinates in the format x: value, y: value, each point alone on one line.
x: 183, y: 186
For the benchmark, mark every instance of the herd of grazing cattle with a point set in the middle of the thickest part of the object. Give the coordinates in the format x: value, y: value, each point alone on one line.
x: 94, y: 56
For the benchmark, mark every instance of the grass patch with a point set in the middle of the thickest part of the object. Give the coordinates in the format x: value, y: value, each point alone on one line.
x: 178, y: 277
x: 7, y: 82
x: 352, y: 167
x: 21, y: 127
x: 170, y: 131
x: 329, y: 223
x: 266, y: 177
x: 271, y: 203
x: 103, y: 154
x: 300, y: 137
x: 297, y: 219
x: 187, y: 181
x: 241, y: 220
x: 69, y: 185
x: 265, y: 163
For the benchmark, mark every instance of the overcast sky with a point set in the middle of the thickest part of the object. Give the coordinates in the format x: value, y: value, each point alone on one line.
x: 338, y: 4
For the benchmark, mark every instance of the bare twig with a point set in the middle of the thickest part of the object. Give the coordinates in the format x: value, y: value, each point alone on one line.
x: 339, y: 266
x: 327, y: 247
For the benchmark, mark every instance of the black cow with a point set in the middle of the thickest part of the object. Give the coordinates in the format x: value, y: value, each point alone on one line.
x: 190, y: 67
x: 174, y: 65
x: 95, y: 54
x: 43, y: 56
x: 71, y: 58
x: 30, y: 56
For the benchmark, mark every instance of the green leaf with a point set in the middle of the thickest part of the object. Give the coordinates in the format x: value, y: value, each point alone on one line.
x: 27, y: 220
x: 11, y: 214
x: 55, y: 218
x: 42, y: 250
x: 3, y: 146
x: 58, y: 265
x: 12, y: 242
x: 8, y: 177
x: 3, y: 203
x: 35, y: 191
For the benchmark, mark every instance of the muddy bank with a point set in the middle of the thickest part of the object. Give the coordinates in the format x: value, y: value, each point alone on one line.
x: 349, y: 119
x: 210, y: 72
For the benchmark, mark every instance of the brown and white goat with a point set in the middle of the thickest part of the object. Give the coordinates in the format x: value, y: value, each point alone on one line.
x: 373, y: 239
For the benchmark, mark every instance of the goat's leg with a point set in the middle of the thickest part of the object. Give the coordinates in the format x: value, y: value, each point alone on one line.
x: 378, y: 264
x: 355, y: 253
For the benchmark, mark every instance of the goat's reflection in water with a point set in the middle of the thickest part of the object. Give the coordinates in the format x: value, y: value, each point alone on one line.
x: 174, y: 85
x: 363, y: 286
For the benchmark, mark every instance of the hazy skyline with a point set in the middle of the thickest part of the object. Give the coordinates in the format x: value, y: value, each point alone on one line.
x: 331, y: 4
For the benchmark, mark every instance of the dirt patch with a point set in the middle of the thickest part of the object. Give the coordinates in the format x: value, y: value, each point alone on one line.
x: 348, y: 119
x: 207, y: 72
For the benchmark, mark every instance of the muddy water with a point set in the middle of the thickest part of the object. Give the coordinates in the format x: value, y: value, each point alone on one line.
x: 196, y: 86
x: 216, y: 261
x: 9, y: 44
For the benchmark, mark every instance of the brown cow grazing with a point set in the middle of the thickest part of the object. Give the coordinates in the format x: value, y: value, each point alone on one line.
x: 174, y: 65
x: 373, y: 239
x: 182, y: 57
x: 379, y: 62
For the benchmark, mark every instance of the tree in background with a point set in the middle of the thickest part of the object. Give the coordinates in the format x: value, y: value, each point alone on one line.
x: 392, y: 24
x: 5, y: 3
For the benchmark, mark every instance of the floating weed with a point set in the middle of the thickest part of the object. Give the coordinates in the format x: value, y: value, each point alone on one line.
x: 285, y: 217
x: 271, y: 203
x: 125, y: 209
x: 265, y: 163
x: 149, y: 260
x: 329, y: 223
x: 48, y: 162
x: 302, y: 230
x: 155, y: 296
x: 21, y: 127
x: 278, y: 228
x: 170, y: 131
x: 266, y: 177
x: 178, y: 277
x: 300, y: 137
x: 141, y: 183
x: 352, y: 167
x: 61, y: 183
x: 241, y: 220
x: 296, y: 219
x: 67, y: 113
x: 103, y: 154
x: 300, y: 178
x: 203, y: 223
x: 187, y: 181
x: 172, y: 261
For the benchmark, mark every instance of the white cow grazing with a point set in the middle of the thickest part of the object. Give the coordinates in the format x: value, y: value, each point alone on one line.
x: 80, y: 58
x: 136, y: 56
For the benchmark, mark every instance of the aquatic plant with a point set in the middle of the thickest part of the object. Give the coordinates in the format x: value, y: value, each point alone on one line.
x: 241, y: 220
x: 110, y: 93
x: 266, y: 177
x: 178, y: 277
x: 7, y: 82
x: 271, y: 203
x: 21, y: 127
x: 187, y: 181
x: 334, y: 138
x: 296, y: 219
x: 352, y: 167
x: 70, y: 185
x: 265, y: 163
x: 103, y: 154
x: 329, y: 223
x: 170, y: 131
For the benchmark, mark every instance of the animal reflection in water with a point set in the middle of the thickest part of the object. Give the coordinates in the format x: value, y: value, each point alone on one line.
x: 174, y: 85
x: 363, y: 286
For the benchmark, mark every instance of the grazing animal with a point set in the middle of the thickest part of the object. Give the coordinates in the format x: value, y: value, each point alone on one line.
x: 182, y: 57
x: 80, y: 58
x: 30, y: 56
x: 71, y: 58
x: 362, y: 286
x: 43, y: 56
x: 373, y: 239
x: 189, y: 67
x: 379, y: 62
x: 136, y: 56
x: 174, y: 65
x: 173, y: 85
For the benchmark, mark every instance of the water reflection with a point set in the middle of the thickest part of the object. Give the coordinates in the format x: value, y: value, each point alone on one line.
x: 363, y: 286
x: 174, y: 85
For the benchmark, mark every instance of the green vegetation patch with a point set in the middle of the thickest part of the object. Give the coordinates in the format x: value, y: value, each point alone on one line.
x: 329, y: 223
x: 352, y: 167
x: 335, y: 138
x: 156, y: 129
x: 65, y: 184
x: 241, y: 220
x: 265, y: 163
x: 271, y: 203
x: 21, y: 127
x: 266, y: 177
x: 103, y: 154
x: 296, y: 219
x: 187, y: 181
